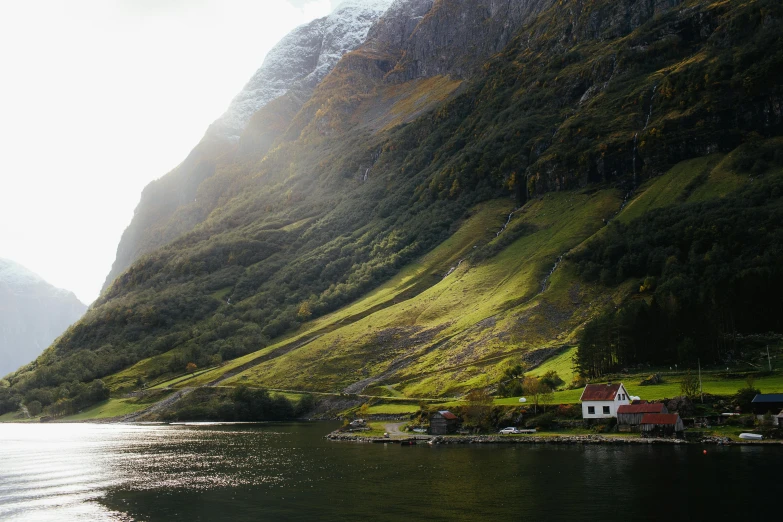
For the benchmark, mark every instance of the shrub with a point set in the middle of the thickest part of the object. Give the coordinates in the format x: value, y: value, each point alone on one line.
x: 34, y: 408
x: 569, y: 411
x: 552, y: 380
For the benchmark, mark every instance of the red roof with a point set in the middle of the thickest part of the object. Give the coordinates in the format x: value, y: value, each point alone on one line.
x: 447, y: 415
x: 600, y: 392
x: 660, y: 418
x: 640, y: 408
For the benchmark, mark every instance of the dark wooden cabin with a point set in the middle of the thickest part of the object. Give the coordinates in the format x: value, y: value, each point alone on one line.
x: 631, y: 414
x: 767, y: 402
x: 661, y: 424
x: 443, y: 423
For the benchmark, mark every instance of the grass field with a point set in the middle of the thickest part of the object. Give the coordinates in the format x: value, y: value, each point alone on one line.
x: 108, y: 409
x: 463, y: 327
x: 563, y: 364
x: 393, y: 409
x: 182, y: 380
x: 712, y: 384
x: 15, y: 417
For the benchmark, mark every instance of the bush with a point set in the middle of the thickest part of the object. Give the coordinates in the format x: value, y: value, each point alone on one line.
x: 34, y: 408
x: 552, y: 380
x: 744, y: 397
x: 544, y: 421
x: 744, y: 421
x: 569, y: 411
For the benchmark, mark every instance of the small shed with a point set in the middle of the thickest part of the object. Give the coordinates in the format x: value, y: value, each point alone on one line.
x: 767, y: 402
x: 779, y: 418
x: 443, y: 423
x: 631, y: 414
x: 661, y: 424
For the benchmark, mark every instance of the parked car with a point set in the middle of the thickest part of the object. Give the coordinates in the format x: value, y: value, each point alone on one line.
x: 509, y: 431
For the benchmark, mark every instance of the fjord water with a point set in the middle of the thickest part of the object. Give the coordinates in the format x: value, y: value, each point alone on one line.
x: 289, y: 472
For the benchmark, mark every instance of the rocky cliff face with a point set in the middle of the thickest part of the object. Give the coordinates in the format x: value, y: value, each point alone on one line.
x: 33, y: 313
x: 300, y: 61
x: 456, y: 37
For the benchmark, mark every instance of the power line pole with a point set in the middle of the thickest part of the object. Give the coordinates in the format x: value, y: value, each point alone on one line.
x: 769, y: 360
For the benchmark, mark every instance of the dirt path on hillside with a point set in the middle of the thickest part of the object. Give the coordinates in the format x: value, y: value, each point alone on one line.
x: 160, y: 405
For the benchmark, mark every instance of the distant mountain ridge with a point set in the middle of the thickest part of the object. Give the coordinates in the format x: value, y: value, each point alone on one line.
x: 33, y: 313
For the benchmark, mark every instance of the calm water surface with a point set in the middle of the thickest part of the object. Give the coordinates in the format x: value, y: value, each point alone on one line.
x: 289, y: 472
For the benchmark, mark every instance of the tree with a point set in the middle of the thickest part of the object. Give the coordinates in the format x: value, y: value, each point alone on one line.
x: 305, y: 311
x: 552, y: 379
x: 191, y: 367
x: 479, y: 407
x: 538, y: 391
x: 745, y: 396
x: 364, y: 411
x: 34, y: 408
x: 689, y: 387
x: 511, y: 384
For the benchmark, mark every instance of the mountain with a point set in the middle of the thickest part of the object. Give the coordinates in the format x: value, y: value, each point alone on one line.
x: 34, y: 313
x: 474, y: 185
x: 294, y: 66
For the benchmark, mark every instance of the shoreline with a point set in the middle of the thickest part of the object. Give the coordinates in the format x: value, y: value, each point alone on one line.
x: 336, y: 436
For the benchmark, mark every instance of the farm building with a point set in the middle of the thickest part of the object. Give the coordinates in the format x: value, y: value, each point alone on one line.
x: 655, y: 424
x: 443, y: 423
x: 779, y: 419
x: 767, y: 402
x: 631, y: 414
x: 600, y: 401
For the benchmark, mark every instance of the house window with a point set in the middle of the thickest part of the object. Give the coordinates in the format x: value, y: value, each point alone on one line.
x: 591, y: 410
x: 606, y: 410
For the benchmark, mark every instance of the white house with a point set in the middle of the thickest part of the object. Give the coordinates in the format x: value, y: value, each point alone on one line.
x: 600, y: 401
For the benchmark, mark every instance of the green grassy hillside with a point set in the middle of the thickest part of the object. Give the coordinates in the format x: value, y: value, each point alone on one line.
x: 409, y: 338
x: 324, y: 261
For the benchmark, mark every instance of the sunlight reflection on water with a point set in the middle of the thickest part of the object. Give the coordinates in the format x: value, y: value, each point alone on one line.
x: 58, y: 471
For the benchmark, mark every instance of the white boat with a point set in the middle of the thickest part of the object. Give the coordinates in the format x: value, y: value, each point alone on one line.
x: 750, y: 436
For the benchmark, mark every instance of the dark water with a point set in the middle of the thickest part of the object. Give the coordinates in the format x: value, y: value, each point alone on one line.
x: 289, y: 472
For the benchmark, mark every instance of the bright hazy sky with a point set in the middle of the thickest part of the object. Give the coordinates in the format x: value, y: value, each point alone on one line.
x: 100, y: 97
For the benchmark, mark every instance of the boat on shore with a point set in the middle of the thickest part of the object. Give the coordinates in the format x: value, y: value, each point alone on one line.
x: 751, y: 436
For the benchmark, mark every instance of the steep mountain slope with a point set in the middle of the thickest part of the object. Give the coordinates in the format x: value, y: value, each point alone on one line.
x: 295, y: 65
x: 33, y: 313
x: 324, y: 241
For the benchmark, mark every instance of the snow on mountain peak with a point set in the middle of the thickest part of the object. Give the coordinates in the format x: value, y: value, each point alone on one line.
x: 301, y: 60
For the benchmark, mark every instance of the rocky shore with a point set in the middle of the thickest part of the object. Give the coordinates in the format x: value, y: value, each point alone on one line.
x: 544, y: 439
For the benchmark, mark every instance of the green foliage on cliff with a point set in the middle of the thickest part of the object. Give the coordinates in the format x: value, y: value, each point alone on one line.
x: 708, y: 273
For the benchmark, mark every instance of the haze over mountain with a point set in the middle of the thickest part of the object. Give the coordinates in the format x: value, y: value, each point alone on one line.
x: 411, y: 200
x: 33, y: 313
x: 293, y: 67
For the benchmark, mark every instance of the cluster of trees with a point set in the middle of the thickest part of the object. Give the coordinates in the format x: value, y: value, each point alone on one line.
x: 708, y: 272
x: 540, y: 390
x: 241, y: 404
x: 66, y: 399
